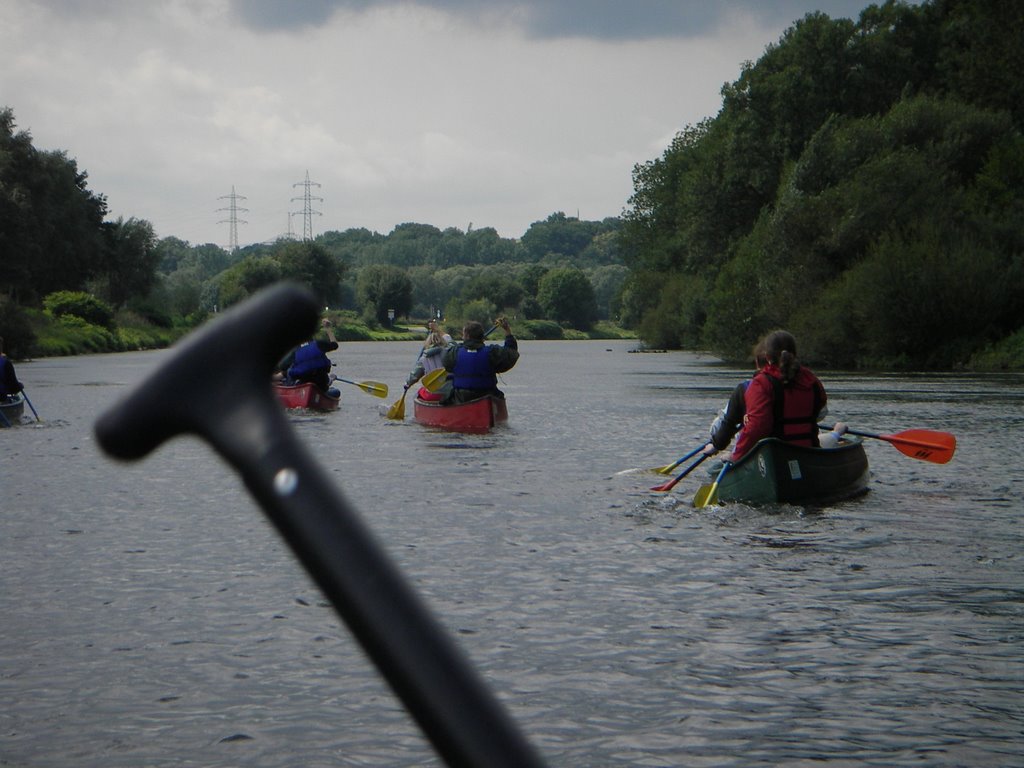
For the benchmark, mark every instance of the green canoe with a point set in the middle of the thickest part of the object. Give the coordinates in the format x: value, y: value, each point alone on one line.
x: 776, y: 472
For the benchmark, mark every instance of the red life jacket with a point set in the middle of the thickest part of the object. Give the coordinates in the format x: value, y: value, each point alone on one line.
x: 796, y: 406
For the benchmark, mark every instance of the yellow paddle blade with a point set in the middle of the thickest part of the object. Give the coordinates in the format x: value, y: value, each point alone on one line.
x: 434, y: 380
x: 397, y: 409
x: 706, y: 495
x: 375, y: 388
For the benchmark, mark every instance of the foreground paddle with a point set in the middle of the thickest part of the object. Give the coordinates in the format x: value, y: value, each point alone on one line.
x: 375, y: 388
x: 240, y: 418
x: 675, y: 480
x: 708, y: 494
x: 922, y: 444
x: 4, y: 420
x: 667, y: 469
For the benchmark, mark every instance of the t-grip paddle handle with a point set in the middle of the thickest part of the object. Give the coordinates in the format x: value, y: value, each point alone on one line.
x: 217, y: 386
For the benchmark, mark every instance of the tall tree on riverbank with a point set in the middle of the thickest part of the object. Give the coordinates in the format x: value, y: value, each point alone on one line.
x: 841, y: 191
x: 50, y: 223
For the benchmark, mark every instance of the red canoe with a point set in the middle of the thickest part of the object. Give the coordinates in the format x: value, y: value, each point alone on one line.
x: 474, y: 416
x: 306, y: 395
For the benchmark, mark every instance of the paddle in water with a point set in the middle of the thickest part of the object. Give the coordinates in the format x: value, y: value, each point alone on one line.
x: 668, y: 486
x: 667, y: 469
x: 397, y: 409
x: 240, y: 417
x: 921, y: 444
x: 708, y: 494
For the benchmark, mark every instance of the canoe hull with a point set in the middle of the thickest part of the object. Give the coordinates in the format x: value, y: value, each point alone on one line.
x: 12, y: 410
x: 305, y: 395
x: 478, y: 415
x: 776, y: 472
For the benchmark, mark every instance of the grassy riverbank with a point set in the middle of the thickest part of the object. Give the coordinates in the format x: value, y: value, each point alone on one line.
x: 71, y: 335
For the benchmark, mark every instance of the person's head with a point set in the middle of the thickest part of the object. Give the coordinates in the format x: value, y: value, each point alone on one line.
x: 435, y: 339
x: 473, y: 331
x: 757, y: 353
x: 780, y: 351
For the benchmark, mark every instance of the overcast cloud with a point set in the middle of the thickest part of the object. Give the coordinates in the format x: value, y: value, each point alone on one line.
x: 445, y: 112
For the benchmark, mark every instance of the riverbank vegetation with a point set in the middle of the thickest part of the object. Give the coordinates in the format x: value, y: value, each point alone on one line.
x: 862, y: 186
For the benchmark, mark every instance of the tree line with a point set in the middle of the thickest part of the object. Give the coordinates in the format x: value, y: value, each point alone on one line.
x: 61, y: 257
x: 861, y: 186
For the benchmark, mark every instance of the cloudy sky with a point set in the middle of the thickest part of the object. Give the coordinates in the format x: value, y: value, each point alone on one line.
x: 454, y: 113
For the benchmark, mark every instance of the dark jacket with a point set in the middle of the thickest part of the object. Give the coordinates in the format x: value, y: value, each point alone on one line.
x: 9, y: 384
x: 499, y: 358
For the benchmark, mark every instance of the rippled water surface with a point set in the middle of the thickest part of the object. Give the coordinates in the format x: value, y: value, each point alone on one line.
x: 150, y: 616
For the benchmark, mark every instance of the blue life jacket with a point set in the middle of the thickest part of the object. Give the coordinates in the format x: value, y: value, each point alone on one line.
x: 473, y: 369
x: 308, y: 360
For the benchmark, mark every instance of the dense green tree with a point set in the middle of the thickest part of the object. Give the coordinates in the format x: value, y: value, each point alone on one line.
x: 566, y: 294
x: 50, y: 223
x: 382, y: 287
x: 131, y: 261
x: 246, y: 278
x: 312, y: 265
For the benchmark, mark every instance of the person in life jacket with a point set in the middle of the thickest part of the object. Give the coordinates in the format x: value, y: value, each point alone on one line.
x: 730, y: 419
x: 783, y: 400
x: 474, y: 365
x: 429, y: 359
x: 309, y: 362
x: 9, y: 384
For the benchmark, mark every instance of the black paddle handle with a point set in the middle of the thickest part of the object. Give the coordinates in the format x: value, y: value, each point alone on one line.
x: 233, y: 407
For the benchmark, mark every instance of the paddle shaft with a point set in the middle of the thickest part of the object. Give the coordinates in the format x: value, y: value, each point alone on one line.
x: 25, y: 395
x: 668, y: 468
x: 675, y: 480
x: 374, y: 388
x: 710, y: 493
x: 240, y: 418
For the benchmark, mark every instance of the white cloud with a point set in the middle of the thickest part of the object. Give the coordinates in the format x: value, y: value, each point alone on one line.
x: 401, y: 112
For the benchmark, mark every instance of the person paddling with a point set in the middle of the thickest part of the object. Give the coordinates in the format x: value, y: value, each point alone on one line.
x: 783, y: 400
x: 9, y: 384
x: 475, y: 365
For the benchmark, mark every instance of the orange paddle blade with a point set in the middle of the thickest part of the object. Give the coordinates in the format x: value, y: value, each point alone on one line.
x: 924, y: 444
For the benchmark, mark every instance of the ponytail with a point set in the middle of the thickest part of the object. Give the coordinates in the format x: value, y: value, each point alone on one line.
x: 780, y: 349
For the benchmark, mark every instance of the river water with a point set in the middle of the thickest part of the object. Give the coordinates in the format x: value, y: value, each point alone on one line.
x: 152, y: 617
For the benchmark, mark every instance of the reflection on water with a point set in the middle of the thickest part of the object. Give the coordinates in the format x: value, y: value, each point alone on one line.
x: 151, y: 615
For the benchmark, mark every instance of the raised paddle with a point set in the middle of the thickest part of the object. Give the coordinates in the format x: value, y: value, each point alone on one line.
x: 374, y: 388
x: 921, y: 444
x: 708, y: 494
x: 667, y: 469
x: 239, y: 416
x: 672, y: 483
x: 434, y: 380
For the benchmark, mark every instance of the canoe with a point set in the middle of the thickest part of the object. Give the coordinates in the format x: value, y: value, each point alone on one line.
x: 11, y: 409
x: 306, y: 395
x: 776, y: 472
x: 474, y: 416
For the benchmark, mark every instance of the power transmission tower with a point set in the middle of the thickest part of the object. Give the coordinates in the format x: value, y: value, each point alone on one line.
x: 307, y: 206
x: 232, y: 219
